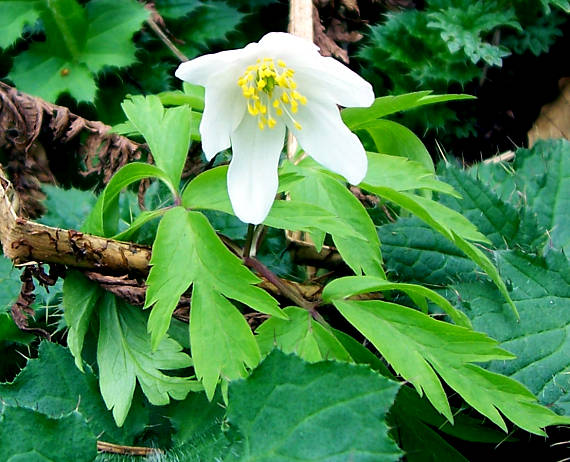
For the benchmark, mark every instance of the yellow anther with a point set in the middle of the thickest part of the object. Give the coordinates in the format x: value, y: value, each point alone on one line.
x: 303, y: 100
x: 261, y: 125
x: 262, y: 108
x: 271, y: 122
x: 297, y: 125
x: 294, y: 106
x: 276, y: 103
x: 252, y: 109
x: 285, y: 98
x: 281, y: 63
x: 279, y: 111
x: 261, y: 84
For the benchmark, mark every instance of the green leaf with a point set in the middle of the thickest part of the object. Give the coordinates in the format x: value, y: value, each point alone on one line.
x: 396, y: 140
x: 14, y: 15
x: 104, y: 217
x: 111, y: 27
x: 354, y: 118
x: 29, y: 436
x: 51, y: 385
x: 10, y: 283
x: 221, y: 340
x: 434, y: 346
x: 124, y: 355
x: 345, y: 287
x: 187, y: 251
x: 209, y: 191
x: 325, y: 411
x: 66, y: 208
x: 319, y: 188
x: 540, y: 289
x: 176, y: 8
x: 501, y: 222
x: 302, y: 335
x: 401, y: 174
x: 166, y: 131
x: 79, y: 43
x: 80, y: 296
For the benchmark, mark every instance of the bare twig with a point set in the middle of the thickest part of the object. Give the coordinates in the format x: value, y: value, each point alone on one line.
x: 111, y: 448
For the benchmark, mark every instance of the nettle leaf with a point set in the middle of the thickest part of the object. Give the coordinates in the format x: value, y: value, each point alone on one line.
x: 29, y: 436
x: 66, y: 208
x: 51, y: 385
x: 543, y: 176
x: 324, y: 411
x: 187, y: 252
x: 355, y: 118
x: 302, y: 335
x: 124, y: 355
x: 320, y: 188
x: 451, y: 352
x: 452, y: 225
x: 80, y: 42
x: 14, y: 15
x: 80, y: 296
x: 209, y: 191
x: 415, y: 252
x: 166, y: 131
x: 176, y: 8
x: 541, y: 290
x: 10, y: 283
x: 354, y: 285
x: 501, y: 222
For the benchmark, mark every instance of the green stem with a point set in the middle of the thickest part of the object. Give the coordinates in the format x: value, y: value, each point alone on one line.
x: 248, y: 241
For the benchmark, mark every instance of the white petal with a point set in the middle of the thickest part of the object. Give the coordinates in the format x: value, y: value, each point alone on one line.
x: 252, y: 175
x: 342, y: 85
x: 223, y: 112
x: 199, y: 70
x: 327, y: 140
x: 278, y: 42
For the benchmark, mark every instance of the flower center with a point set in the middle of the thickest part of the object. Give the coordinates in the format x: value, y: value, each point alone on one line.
x: 271, y: 89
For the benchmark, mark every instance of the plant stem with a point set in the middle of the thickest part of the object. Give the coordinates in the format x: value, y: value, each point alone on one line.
x: 162, y: 36
x: 248, y: 241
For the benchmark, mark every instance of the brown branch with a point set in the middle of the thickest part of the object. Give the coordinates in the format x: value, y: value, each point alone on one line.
x: 111, y: 448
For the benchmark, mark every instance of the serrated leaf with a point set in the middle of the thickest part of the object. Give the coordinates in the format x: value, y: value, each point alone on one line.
x: 434, y: 346
x: 354, y: 118
x: 302, y: 335
x: 415, y: 252
x: 540, y: 289
x: 29, y: 436
x: 66, y: 208
x: 111, y: 27
x: 14, y: 15
x: 187, y: 251
x: 51, y: 385
x: 501, y: 222
x: 298, y: 421
x: 176, y: 8
x: 125, y: 356
x: 345, y: 287
x: 317, y: 187
x: 166, y: 131
x: 401, y: 174
x: 221, y: 340
x: 80, y: 296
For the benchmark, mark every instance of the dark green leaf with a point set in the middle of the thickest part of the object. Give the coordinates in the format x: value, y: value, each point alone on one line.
x: 28, y: 436
x: 14, y: 15
x: 10, y: 283
x: 66, y: 208
x: 325, y: 411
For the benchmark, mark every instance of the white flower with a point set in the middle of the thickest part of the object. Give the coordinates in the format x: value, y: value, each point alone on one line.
x: 254, y: 93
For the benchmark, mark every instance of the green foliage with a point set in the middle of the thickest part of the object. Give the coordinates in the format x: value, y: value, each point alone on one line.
x: 29, y: 436
x: 66, y: 208
x: 303, y: 407
x: 220, y: 338
x: 52, y: 386
x: 445, y: 45
x: 14, y: 15
x: 125, y: 356
x: 80, y: 43
x: 10, y: 283
x: 541, y: 290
